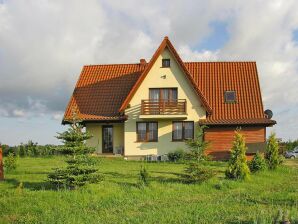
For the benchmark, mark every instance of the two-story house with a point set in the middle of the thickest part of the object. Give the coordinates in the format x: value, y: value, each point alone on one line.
x: 151, y: 108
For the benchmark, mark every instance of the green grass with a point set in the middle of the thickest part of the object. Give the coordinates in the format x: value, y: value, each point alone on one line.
x: 167, y: 200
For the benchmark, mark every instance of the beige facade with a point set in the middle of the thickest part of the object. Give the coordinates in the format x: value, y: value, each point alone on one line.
x: 96, y: 141
x: 125, y: 133
x: 174, y: 77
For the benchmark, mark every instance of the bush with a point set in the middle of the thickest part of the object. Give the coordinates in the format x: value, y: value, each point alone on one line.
x: 10, y: 162
x: 257, y: 163
x: 271, y: 153
x: 143, y: 177
x: 176, y: 156
x: 195, y: 173
x: 237, y: 167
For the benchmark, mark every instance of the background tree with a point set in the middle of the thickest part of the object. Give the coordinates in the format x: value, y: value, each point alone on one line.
x: 237, y: 167
x: 271, y: 153
x: 81, y: 167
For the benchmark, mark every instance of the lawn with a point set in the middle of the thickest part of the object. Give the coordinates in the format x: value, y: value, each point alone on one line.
x: 167, y: 200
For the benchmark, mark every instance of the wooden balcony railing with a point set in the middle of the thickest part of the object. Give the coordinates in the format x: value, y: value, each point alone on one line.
x: 163, y: 107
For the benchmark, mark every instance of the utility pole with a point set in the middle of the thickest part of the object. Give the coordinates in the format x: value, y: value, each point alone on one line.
x: 1, y: 165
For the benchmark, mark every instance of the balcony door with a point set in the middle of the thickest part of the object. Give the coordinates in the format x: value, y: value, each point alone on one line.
x: 163, y: 95
x: 161, y: 100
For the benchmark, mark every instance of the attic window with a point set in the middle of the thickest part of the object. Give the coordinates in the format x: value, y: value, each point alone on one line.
x: 230, y: 97
x: 166, y: 63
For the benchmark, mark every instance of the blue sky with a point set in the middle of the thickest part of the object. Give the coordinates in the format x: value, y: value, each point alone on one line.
x: 44, y: 44
x: 218, y: 37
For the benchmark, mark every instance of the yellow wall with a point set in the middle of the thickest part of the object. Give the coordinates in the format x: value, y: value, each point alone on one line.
x: 174, y: 78
x: 96, y: 141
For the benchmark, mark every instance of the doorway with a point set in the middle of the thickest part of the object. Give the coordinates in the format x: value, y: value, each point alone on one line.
x: 107, y: 139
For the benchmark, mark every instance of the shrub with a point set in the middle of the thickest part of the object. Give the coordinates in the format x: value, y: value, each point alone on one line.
x: 197, y: 145
x: 10, y: 162
x: 195, y: 173
x: 177, y: 155
x: 257, y: 163
x: 143, y: 177
x: 81, y: 167
x: 271, y: 152
x: 237, y: 167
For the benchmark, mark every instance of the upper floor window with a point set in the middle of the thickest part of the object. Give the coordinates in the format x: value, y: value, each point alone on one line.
x: 166, y: 63
x: 230, y: 96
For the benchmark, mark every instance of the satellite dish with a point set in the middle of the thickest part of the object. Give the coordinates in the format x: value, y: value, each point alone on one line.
x: 268, y: 113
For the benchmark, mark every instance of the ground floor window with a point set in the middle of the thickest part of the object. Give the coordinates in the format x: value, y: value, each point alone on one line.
x: 182, y: 130
x: 147, y: 131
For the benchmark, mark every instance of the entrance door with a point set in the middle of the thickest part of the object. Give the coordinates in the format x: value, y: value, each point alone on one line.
x: 107, y: 139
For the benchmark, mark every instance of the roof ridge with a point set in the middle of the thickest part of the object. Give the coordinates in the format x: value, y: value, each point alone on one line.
x: 188, y: 62
x: 185, y: 62
x: 111, y: 64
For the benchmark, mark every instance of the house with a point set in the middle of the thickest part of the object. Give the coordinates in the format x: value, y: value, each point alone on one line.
x: 151, y: 108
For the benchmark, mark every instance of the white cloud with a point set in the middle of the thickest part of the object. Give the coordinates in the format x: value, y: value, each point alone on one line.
x: 192, y: 55
x: 43, y: 45
x: 58, y: 116
x: 18, y: 113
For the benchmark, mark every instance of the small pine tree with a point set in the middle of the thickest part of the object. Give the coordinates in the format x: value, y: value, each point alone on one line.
x: 143, y: 177
x: 197, y: 145
x: 237, y: 167
x: 271, y: 153
x: 257, y: 163
x: 74, y: 140
x: 196, y: 173
x: 81, y: 167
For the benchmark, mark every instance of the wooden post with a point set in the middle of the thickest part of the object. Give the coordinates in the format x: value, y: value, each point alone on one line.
x: 1, y: 165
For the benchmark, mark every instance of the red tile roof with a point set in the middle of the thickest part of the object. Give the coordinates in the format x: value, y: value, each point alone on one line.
x: 103, y: 91
x: 214, y: 78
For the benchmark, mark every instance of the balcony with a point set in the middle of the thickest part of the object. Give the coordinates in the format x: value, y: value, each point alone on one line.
x: 163, y: 109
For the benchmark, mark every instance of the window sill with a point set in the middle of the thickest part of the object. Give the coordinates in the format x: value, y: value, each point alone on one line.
x: 145, y: 141
x: 183, y: 140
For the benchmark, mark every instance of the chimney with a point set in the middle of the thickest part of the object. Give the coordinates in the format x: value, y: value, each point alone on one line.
x: 143, y: 63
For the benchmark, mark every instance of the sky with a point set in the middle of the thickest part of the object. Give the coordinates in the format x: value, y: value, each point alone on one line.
x: 45, y: 43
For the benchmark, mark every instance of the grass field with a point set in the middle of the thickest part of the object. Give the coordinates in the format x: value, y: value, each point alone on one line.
x: 118, y: 199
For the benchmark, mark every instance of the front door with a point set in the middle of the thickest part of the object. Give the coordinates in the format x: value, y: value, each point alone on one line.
x: 107, y: 139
